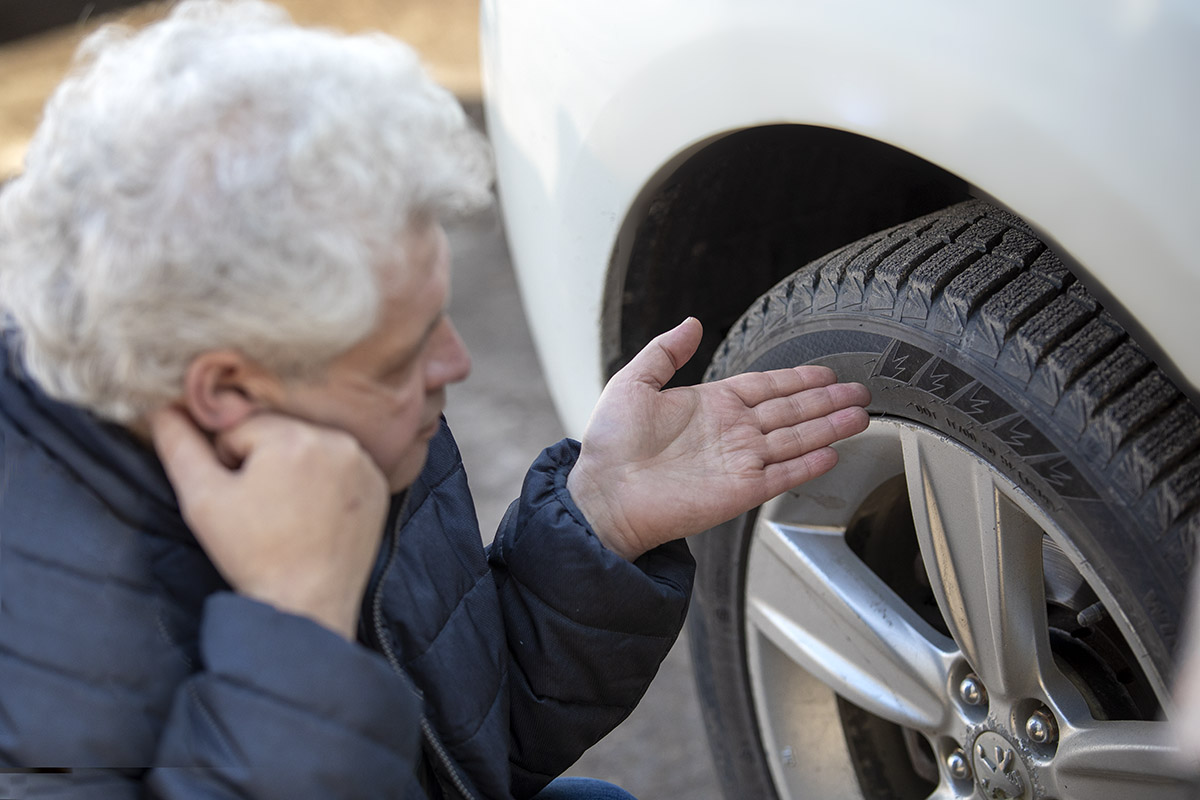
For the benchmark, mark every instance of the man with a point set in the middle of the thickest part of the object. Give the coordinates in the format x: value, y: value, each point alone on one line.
x: 237, y: 551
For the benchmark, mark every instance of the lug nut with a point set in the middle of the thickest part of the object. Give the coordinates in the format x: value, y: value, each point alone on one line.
x: 1041, y: 727
x: 1091, y: 615
x: 957, y: 764
x: 972, y: 692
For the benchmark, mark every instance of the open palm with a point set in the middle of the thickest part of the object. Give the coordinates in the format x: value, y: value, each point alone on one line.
x: 658, y: 465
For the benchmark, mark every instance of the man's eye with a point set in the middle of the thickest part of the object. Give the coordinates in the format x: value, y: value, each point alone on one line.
x: 397, y: 370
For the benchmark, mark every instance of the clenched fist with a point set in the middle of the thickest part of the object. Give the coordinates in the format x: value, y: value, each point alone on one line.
x: 289, y: 512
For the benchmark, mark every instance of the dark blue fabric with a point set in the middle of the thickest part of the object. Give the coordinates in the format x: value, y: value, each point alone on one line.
x: 122, y: 649
x: 582, y: 789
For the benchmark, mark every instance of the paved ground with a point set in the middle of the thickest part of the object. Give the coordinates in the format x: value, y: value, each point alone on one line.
x: 502, y: 414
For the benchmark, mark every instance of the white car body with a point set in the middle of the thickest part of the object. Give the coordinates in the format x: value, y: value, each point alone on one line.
x: 1080, y: 116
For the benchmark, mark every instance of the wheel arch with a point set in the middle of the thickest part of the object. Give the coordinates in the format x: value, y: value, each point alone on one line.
x: 725, y: 220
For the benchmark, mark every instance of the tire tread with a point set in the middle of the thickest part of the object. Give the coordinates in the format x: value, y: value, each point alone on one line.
x: 979, y: 275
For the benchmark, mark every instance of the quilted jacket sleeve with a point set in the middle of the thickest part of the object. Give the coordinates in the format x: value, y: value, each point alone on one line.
x: 284, y: 709
x: 586, y: 629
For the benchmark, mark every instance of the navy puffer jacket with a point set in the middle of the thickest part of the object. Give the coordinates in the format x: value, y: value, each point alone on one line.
x: 125, y: 657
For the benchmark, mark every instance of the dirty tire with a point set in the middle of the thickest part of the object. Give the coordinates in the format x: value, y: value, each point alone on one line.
x: 964, y: 322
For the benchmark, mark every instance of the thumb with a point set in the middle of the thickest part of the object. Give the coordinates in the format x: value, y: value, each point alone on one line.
x: 185, y: 453
x: 665, y: 355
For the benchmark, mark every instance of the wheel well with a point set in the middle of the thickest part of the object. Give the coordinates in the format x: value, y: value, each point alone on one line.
x: 744, y: 211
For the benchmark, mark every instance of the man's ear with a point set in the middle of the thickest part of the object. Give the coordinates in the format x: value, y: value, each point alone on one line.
x: 221, y: 388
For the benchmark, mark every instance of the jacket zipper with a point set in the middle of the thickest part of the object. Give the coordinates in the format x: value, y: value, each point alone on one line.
x: 427, y: 732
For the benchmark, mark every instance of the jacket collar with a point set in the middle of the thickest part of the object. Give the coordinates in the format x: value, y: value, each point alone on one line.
x: 106, y: 458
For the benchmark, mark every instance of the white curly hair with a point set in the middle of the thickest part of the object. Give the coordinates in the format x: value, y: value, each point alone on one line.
x: 221, y: 178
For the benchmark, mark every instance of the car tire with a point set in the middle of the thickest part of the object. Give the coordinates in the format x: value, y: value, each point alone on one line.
x: 986, y: 593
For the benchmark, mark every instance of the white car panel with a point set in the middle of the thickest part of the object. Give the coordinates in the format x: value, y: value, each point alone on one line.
x: 1079, y: 116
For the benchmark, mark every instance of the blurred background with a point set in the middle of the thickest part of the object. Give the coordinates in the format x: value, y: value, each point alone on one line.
x: 502, y: 414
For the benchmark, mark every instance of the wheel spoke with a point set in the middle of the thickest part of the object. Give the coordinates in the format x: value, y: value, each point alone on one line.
x: 984, y: 557
x: 815, y: 600
x: 1126, y: 760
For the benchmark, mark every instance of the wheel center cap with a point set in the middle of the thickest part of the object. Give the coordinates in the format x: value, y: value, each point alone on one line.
x: 999, y: 769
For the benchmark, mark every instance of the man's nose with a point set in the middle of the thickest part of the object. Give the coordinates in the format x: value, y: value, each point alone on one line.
x: 450, y: 361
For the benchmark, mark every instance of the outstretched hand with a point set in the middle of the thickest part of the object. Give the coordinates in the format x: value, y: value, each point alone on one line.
x: 661, y: 465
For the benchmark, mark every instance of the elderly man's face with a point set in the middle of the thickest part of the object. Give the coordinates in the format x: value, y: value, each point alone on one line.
x: 388, y: 391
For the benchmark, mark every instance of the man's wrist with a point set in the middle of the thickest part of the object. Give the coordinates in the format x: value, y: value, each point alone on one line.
x: 589, y: 499
x: 336, y: 615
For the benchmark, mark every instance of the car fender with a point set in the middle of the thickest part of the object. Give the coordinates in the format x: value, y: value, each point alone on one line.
x: 1077, y: 116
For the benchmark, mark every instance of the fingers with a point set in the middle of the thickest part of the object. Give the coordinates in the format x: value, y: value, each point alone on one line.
x: 796, y: 441
x: 658, y: 361
x: 799, y: 453
x: 754, y: 388
x: 809, y: 404
x: 182, y: 448
x: 235, y: 444
x: 238, y: 443
x: 789, y: 474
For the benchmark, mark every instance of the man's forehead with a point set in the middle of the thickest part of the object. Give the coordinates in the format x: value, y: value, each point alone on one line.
x: 420, y: 266
x: 415, y: 287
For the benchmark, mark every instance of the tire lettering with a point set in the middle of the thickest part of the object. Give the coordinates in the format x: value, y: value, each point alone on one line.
x: 923, y: 411
x: 962, y: 431
x: 1028, y: 455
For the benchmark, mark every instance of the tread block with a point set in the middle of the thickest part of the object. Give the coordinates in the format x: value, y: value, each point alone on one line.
x: 1049, y: 265
x: 983, y: 235
x: 1166, y: 441
x: 895, y: 268
x: 930, y: 279
x: 832, y: 269
x: 1133, y: 408
x: 801, y: 289
x: 968, y: 290
x: 1068, y: 360
x: 1005, y: 217
x: 861, y: 269
x: 1055, y: 322
x: 1001, y: 313
x: 1018, y: 247
x: 947, y: 227
x: 1099, y: 383
x: 1176, y: 494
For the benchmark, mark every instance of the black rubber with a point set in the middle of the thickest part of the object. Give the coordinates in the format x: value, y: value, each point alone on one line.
x: 964, y: 321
